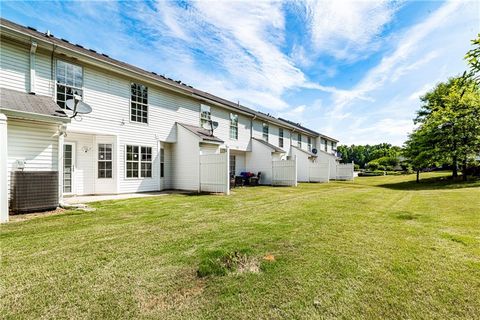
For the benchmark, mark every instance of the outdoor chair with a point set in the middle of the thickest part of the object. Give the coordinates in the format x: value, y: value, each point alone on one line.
x: 255, y: 180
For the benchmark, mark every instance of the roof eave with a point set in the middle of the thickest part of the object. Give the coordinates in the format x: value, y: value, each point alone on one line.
x: 33, y: 116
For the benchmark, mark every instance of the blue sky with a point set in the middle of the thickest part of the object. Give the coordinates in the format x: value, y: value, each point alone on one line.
x: 350, y: 69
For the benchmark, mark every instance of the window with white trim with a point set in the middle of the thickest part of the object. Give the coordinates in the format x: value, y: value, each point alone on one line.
x: 233, y: 126
x: 299, y: 140
x: 280, y: 137
x: 138, y: 162
x: 69, y: 79
x: 205, y: 114
x: 325, y: 144
x: 139, y: 103
x: 309, y: 143
x: 232, y: 165
x: 162, y: 163
x: 265, y: 131
x: 105, y: 162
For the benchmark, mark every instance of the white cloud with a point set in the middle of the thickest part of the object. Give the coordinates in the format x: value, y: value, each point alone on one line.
x: 402, y: 60
x: 346, y: 28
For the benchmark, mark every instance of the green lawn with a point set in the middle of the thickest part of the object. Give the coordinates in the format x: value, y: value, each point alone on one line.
x: 381, y: 247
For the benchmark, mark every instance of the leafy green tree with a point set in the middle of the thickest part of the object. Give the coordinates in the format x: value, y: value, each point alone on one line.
x: 449, y: 126
x: 473, y: 58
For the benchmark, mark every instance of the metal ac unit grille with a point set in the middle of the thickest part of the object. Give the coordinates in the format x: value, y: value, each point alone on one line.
x: 33, y: 191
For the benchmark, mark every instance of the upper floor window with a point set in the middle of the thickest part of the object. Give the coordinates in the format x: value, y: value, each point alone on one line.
x: 69, y: 82
x: 334, y: 146
x: 233, y: 126
x: 280, y: 137
x: 299, y: 140
x: 139, y: 103
x: 265, y: 131
x: 205, y: 114
x: 325, y: 145
x: 309, y: 143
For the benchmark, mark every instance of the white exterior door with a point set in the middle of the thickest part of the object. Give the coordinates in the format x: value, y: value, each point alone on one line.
x: 68, y: 168
x: 105, y: 165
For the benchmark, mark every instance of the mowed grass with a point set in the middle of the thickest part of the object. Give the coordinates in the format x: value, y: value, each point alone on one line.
x: 381, y: 247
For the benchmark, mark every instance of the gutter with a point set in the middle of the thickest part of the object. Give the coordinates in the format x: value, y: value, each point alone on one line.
x: 34, y: 116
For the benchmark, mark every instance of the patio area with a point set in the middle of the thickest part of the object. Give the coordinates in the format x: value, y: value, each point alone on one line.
x: 94, y: 198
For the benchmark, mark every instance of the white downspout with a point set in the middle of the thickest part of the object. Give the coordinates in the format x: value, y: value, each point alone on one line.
x: 3, y: 170
x: 33, y: 49
x: 61, y: 139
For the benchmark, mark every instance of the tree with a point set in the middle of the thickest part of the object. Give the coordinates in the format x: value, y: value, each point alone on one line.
x: 418, y: 151
x: 449, y: 126
x: 473, y: 58
x: 362, y: 155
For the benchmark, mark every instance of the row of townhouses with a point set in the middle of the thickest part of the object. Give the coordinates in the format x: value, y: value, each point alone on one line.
x: 145, y: 132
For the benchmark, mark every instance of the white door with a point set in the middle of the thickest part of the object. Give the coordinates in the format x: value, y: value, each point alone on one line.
x: 68, y: 167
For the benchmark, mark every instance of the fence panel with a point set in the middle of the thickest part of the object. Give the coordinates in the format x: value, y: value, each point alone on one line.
x: 344, y: 171
x: 284, y: 172
x: 214, y: 173
x: 319, y: 172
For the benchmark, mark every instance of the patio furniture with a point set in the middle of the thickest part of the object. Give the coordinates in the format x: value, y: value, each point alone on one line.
x: 254, y: 181
x: 239, y: 181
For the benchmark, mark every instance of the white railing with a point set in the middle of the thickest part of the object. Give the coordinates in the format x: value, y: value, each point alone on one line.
x: 319, y: 172
x: 284, y: 172
x: 214, y: 173
x: 344, y: 171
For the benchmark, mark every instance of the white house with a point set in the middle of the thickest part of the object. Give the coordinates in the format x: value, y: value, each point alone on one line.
x: 146, y: 132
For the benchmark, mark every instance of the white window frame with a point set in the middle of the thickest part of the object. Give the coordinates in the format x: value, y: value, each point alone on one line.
x: 138, y: 103
x: 233, y: 126
x: 299, y: 140
x: 73, y: 87
x: 280, y: 137
x: 162, y: 163
x: 309, y: 144
x: 232, y: 156
x: 139, y: 162
x: 205, y: 114
x: 104, y: 160
x: 265, y: 134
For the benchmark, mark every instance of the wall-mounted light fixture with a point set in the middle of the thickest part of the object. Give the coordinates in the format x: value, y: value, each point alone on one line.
x: 86, y: 149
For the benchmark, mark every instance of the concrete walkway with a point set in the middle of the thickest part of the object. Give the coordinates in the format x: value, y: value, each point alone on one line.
x: 94, y: 198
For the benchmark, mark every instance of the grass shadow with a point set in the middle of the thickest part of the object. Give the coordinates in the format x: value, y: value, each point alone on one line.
x: 435, y: 183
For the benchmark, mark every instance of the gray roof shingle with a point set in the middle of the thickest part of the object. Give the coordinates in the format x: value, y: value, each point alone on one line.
x: 204, y: 134
x: 30, y: 103
x: 271, y: 146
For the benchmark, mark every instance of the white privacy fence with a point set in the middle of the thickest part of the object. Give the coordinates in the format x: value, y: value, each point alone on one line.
x: 319, y: 172
x: 344, y: 171
x: 214, y: 173
x: 284, y: 172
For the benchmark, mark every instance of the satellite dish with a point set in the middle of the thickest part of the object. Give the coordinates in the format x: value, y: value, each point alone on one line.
x: 70, y: 104
x: 83, y: 108
x: 314, y: 151
x: 206, y: 125
x: 76, y: 106
x: 214, y: 125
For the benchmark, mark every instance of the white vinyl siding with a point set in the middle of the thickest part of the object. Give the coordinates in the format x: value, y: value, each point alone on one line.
x: 34, y: 143
x: 14, y: 67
